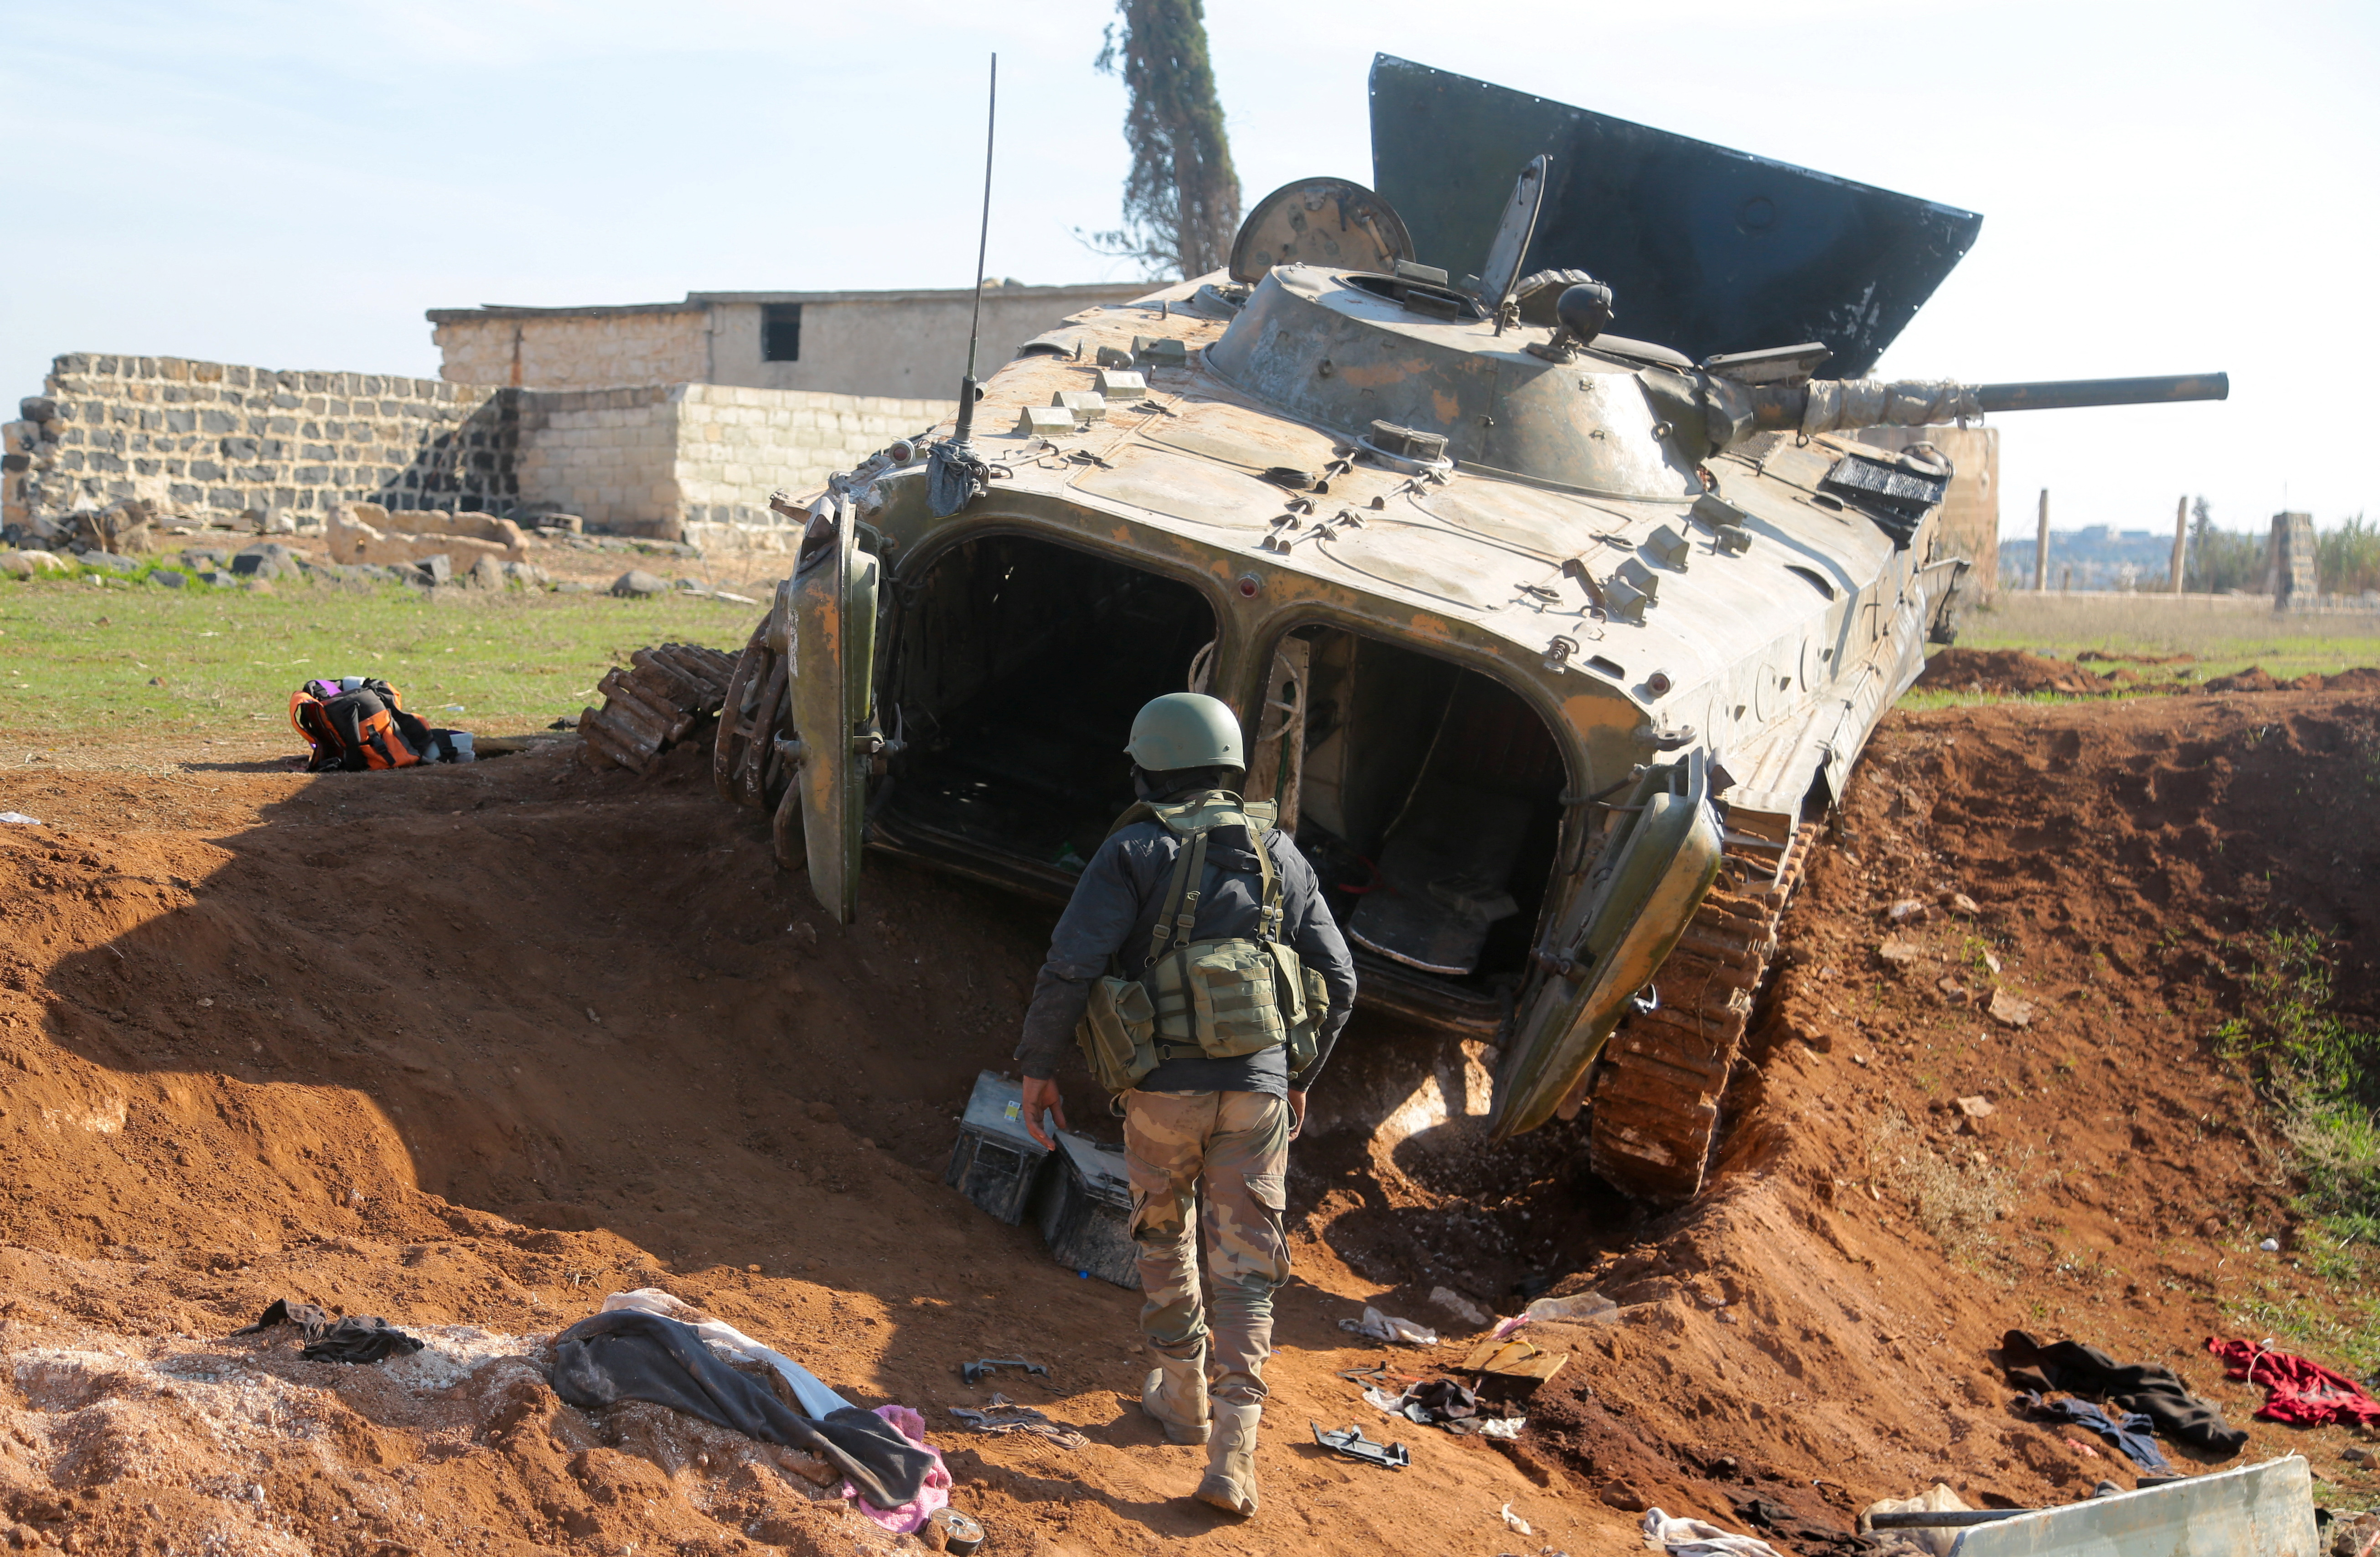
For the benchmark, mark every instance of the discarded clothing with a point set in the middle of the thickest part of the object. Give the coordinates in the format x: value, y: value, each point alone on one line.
x: 1004, y: 1416
x: 1811, y: 1538
x: 360, y: 1338
x: 815, y: 1398
x: 1433, y: 1403
x: 2130, y: 1434
x: 626, y: 1354
x: 1388, y: 1327
x: 1699, y: 1537
x: 1445, y: 1400
x: 2157, y: 1393
x: 2303, y: 1394
x: 931, y: 1497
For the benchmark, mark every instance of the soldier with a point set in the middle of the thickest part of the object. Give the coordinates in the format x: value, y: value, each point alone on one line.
x: 1207, y: 1123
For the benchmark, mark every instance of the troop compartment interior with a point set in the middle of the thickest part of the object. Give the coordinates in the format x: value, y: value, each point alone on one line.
x: 1428, y: 796
x: 1017, y: 667
x: 1430, y: 802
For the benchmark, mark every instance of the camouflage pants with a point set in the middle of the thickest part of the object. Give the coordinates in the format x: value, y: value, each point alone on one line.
x: 1224, y: 1156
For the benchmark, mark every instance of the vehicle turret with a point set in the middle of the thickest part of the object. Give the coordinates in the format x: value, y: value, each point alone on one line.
x: 1569, y: 405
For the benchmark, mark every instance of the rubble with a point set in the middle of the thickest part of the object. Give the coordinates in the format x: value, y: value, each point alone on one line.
x: 366, y: 532
x: 2010, y: 1011
x: 1900, y: 951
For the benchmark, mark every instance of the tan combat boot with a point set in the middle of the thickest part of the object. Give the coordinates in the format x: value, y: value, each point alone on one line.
x: 1230, y: 1483
x: 1175, y: 1393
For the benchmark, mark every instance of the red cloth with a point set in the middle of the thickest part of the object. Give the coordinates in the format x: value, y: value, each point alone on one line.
x: 2303, y: 1394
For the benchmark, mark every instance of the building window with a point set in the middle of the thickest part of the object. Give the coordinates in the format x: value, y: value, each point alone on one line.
x: 781, y: 332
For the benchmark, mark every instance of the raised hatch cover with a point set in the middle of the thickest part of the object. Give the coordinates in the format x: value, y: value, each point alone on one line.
x: 1705, y: 249
x: 1332, y: 222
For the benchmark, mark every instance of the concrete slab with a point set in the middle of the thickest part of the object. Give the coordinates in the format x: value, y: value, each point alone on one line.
x: 2266, y: 1509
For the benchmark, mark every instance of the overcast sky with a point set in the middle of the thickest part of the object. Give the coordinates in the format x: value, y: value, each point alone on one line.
x: 290, y: 183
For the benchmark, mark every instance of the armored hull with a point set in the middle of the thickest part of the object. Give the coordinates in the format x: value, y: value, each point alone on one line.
x: 1552, y: 646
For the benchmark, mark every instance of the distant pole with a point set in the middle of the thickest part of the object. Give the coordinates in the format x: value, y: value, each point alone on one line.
x: 2066, y: 578
x: 2180, y: 537
x: 2041, y: 546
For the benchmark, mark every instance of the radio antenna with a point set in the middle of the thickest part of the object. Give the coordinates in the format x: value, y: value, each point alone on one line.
x: 983, y: 245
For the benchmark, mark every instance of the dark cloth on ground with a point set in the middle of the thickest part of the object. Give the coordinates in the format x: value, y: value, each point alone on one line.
x: 355, y: 1338
x: 2130, y: 1434
x: 625, y: 1355
x: 2303, y: 1394
x: 1812, y: 1537
x: 2157, y: 1393
x: 1444, y: 1400
x: 1114, y: 914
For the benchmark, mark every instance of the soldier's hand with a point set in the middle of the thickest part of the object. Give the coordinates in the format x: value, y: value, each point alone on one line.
x: 1042, y: 1097
x: 1297, y: 1114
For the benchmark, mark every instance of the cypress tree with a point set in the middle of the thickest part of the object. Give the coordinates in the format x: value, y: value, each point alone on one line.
x: 1181, y: 200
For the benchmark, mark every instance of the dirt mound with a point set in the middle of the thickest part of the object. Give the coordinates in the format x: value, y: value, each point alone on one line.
x: 471, y: 1047
x: 2007, y: 672
x: 2110, y: 656
x: 2084, y: 886
x: 2363, y: 678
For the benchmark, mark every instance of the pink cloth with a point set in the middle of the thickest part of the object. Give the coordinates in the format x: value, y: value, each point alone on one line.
x: 936, y: 1494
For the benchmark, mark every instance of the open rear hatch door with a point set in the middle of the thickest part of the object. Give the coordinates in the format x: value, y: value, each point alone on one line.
x: 826, y: 625
x: 1642, y: 889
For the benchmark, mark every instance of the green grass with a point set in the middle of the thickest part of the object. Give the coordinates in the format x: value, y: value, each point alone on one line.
x: 2322, y: 1073
x: 2344, y: 1337
x: 77, y: 657
x: 2222, y: 637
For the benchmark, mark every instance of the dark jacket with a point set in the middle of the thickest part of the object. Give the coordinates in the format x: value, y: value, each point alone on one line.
x: 1114, y: 913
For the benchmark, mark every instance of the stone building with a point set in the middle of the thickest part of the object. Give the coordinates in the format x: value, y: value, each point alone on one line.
x: 222, y: 443
x: 884, y: 345
x: 670, y: 420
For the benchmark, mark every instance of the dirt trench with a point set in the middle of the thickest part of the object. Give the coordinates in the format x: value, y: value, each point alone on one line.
x: 470, y: 1048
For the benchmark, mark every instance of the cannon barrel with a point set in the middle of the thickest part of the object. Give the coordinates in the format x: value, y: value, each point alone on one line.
x: 1848, y: 404
x: 2072, y: 393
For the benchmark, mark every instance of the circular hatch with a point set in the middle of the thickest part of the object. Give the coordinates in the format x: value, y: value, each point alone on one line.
x: 1332, y: 222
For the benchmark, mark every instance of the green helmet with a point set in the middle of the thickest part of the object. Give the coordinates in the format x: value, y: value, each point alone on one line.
x: 1185, y: 729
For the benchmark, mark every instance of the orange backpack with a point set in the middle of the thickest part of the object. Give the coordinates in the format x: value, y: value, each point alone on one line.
x: 359, y: 724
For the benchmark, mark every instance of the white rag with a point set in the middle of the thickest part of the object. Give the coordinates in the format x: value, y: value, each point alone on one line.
x: 816, y: 1399
x: 1698, y: 1538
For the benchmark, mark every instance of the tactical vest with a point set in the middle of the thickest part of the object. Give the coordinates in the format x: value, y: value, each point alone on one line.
x: 1213, y: 999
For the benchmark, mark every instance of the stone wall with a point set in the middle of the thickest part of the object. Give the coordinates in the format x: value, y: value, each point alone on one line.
x: 213, y: 442
x: 606, y: 455
x: 734, y: 446
x: 207, y: 442
x: 697, y: 462
x: 576, y: 348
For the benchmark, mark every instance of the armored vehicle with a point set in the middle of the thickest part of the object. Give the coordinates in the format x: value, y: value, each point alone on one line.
x: 1552, y: 643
